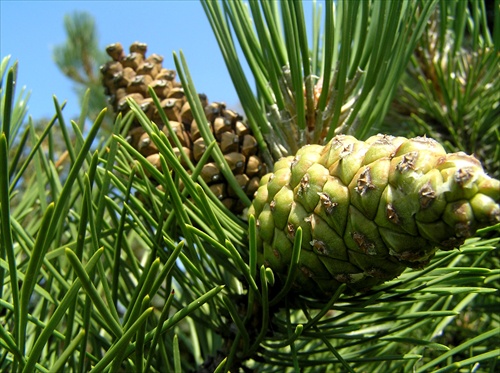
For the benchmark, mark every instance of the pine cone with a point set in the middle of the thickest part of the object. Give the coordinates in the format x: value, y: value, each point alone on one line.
x: 130, y: 76
x: 368, y: 210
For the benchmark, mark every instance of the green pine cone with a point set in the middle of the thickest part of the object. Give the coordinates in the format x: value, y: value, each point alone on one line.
x: 369, y: 209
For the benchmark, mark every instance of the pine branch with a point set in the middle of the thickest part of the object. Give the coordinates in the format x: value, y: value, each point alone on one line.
x: 125, y: 264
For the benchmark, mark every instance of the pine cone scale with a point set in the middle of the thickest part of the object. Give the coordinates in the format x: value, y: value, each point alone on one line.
x: 131, y: 76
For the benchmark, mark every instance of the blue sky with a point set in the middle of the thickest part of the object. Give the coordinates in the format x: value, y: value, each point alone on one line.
x: 30, y: 30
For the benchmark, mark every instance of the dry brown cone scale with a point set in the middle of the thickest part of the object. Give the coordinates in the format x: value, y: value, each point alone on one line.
x: 130, y: 76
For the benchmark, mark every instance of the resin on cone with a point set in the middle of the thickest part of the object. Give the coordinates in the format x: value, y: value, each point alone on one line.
x: 369, y: 209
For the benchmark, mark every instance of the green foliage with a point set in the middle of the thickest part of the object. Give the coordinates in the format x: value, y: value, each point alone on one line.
x: 109, y: 264
x: 13, y: 111
x: 64, y: 243
x: 451, y: 89
x: 308, y: 94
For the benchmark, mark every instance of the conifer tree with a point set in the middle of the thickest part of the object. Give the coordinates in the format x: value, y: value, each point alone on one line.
x: 80, y: 57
